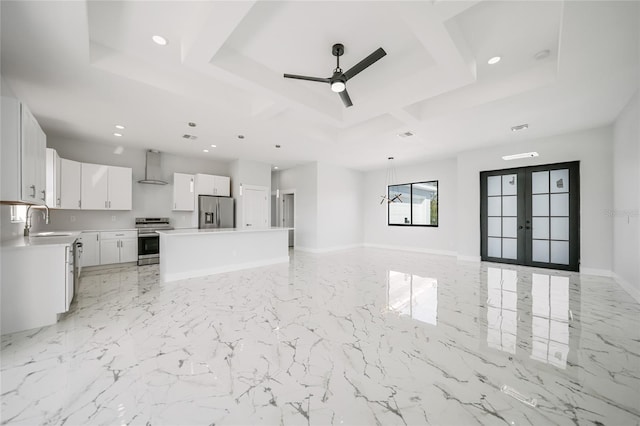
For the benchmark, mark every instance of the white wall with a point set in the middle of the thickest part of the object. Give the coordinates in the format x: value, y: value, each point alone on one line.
x: 441, y: 239
x: 303, y: 181
x: 626, y: 197
x: 340, y: 211
x: 148, y: 200
x: 593, y: 148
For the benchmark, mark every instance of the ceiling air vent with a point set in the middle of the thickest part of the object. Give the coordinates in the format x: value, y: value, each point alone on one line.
x: 405, y: 134
x: 190, y: 137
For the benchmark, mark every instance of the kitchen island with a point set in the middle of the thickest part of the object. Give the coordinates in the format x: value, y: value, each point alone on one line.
x: 189, y: 253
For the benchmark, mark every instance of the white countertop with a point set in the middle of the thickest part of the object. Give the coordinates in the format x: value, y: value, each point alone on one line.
x: 41, y: 241
x: 195, y: 231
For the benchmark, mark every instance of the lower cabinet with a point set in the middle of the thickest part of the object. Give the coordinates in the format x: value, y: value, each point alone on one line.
x: 90, y: 248
x: 118, y: 247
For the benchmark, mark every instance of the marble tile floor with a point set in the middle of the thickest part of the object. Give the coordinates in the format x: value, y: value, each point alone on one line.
x: 357, y: 337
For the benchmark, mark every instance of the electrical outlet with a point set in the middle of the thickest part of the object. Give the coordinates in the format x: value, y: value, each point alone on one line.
x: 72, y: 218
x: 113, y: 218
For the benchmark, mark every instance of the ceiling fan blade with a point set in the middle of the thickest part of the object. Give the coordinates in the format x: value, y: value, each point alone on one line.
x: 345, y: 98
x: 366, y: 62
x: 304, y: 77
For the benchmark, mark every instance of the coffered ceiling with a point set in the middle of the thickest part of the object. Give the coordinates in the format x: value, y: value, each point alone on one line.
x: 83, y: 67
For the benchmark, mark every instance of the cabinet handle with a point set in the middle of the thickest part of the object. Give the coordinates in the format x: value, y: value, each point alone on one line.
x: 96, y: 237
x: 109, y: 204
x: 58, y: 203
x: 33, y: 188
x: 105, y: 204
x: 119, y: 235
x: 44, y: 195
x: 79, y: 203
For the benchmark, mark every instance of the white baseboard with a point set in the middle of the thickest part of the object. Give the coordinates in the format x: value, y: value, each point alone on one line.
x: 328, y: 249
x: 414, y: 249
x: 626, y: 286
x: 597, y: 272
x: 212, y: 271
x: 469, y: 258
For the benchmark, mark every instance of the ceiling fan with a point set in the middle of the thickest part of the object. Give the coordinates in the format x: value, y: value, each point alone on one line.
x: 338, y: 80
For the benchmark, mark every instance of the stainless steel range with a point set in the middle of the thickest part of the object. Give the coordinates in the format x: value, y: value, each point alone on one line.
x: 148, y: 238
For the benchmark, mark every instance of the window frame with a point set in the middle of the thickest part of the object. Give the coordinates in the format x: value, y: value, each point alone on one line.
x: 437, y: 184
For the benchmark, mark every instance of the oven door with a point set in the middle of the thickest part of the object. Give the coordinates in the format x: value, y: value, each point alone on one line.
x: 148, y: 245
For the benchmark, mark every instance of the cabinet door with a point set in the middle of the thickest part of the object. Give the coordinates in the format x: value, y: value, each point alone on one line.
x: 70, y: 174
x: 52, y: 177
x: 58, y: 181
x: 129, y: 250
x: 204, y: 184
x: 109, y: 251
x: 222, y: 186
x: 29, y: 147
x: 90, y: 248
x: 119, y: 188
x: 94, y: 186
x: 183, y: 192
x: 41, y: 164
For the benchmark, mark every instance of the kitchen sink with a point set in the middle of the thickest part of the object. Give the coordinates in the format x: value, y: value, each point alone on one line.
x: 51, y: 234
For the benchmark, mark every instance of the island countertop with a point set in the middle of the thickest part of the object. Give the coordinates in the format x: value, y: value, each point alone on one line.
x: 196, y: 231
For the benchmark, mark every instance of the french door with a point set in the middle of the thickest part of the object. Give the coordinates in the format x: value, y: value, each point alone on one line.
x: 531, y: 216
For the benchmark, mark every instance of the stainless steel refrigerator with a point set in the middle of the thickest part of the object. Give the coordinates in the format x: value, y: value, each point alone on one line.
x: 215, y: 212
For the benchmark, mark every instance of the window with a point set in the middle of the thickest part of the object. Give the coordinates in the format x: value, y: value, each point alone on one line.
x: 413, y: 204
x: 18, y: 213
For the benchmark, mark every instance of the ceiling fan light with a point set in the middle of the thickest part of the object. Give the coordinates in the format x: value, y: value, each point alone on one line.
x: 338, y: 86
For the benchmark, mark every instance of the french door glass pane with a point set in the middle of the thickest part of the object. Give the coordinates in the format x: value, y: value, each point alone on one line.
x: 494, y: 248
x: 560, y: 228
x: 494, y: 206
x: 509, y: 184
x: 510, y: 227
x: 509, y: 248
x: 493, y: 185
x: 559, y: 204
x: 510, y: 206
x: 540, y: 205
x: 560, y: 252
x: 540, y: 228
x: 494, y: 227
x: 560, y: 180
x: 540, y: 252
x: 540, y: 182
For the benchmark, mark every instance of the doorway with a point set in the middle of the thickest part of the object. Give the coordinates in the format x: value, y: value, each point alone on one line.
x: 288, y: 215
x: 531, y: 216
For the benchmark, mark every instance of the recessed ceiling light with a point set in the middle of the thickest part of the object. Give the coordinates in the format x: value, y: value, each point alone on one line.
x: 405, y: 134
x: 117, y: 134
x: 159, y: 40
x: 205, y: 150
x: 119, y: 126
x: 494, y: 60
x: 523, y: 155
x: 520, y: 127
x: 275, y: 167
x: 213, y: 146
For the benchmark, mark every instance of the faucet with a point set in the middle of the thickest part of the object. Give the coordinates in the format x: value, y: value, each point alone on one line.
x: 27, y: 223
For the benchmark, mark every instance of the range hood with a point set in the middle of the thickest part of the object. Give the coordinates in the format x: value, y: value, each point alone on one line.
x: 153, y: 169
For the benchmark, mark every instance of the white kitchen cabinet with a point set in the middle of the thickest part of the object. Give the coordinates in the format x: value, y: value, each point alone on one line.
x: 23, y: 155
x: 118, y: 247
x: 212, y: 185
x: 90, y: 248
x: 222, y: 186
x: 53, y: 178
x: 37, y: 285
x: 105, y: 187
x: 183, y: 192
x: 70, y: 176
x: 119, y: 188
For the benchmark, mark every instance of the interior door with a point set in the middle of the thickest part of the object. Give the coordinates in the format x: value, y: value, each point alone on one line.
x: 255, y: 207
x: 530, y: 216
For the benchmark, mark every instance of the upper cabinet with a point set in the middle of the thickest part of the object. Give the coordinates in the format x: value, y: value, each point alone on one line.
x: 53, y: 176
x: 70, y: 174
x: 105, y: 187
x: 213, y: 185
x: 183, y: 192
x: 23, y: 155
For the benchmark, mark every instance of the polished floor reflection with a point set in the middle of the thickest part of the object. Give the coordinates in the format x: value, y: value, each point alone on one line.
x: 363, y: 336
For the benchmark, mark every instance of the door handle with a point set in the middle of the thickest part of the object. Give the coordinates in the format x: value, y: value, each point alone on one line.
x: 527, y: 227
x: 519, y: 227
